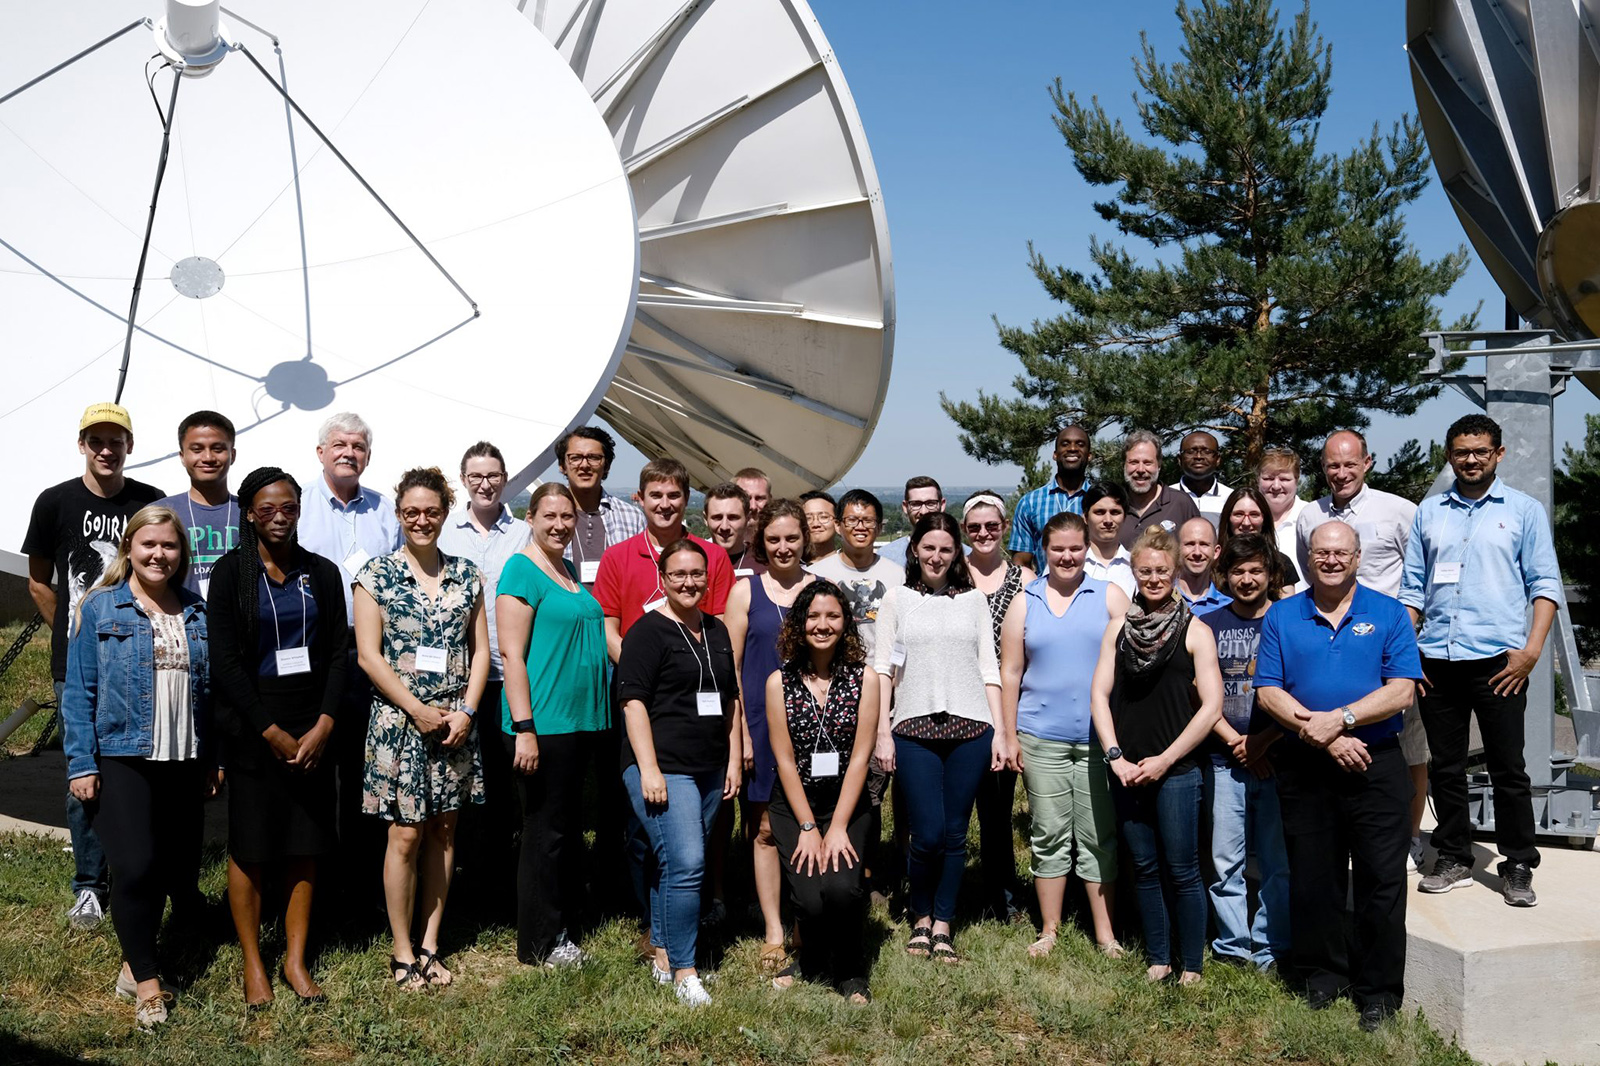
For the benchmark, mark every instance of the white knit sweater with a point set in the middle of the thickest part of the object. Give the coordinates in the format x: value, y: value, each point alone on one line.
x: 950, y: 656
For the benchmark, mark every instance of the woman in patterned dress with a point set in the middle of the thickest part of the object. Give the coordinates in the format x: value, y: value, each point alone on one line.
x: 423, y: 639
x: 984, y: 520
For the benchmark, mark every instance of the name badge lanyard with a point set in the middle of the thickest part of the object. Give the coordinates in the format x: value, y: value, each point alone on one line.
x: 661, y: 593
x: 205, y: 582
x: 898, y: 650
x: 432, y: 658
x: 587, y: 571
x: 706, y: 703
x: 822, y: 767
x: 289, y: 660
x: 1473, y: 521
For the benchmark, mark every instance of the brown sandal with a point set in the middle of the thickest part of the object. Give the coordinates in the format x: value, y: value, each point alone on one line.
x: 774, y: 957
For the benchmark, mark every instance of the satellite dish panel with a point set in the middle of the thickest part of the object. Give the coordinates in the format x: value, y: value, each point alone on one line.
x: 765, y: 322
x: 1509, y: 97
x: 278, y: 289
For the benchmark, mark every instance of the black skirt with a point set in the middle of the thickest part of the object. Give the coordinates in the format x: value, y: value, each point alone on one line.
x: 275, y: 812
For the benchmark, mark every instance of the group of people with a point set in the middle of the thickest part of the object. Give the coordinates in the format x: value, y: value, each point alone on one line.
x: 1153, y: 662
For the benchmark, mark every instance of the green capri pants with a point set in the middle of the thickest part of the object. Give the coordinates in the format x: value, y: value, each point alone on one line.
x: 1069, y: 798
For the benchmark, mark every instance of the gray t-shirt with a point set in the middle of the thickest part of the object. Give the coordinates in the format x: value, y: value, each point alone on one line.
x: 864, y: 588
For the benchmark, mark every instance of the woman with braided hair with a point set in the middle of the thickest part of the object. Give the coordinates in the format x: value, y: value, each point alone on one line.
x: 278, y: 644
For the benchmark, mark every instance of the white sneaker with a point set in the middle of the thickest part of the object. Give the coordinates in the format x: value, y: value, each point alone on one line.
x: 691, y: 993
x: 1414, y: 856
x: 128, y: 988
x: 662, y: 977
x: 565, y: 954
x: 152, y: 1011
x: 86, y: 913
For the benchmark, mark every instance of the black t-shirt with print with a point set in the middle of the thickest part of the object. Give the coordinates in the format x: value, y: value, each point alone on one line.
x: 664, y: 667
x: 78, y: 531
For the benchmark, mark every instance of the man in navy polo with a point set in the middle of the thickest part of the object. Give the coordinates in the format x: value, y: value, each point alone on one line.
x: 1337, y: 666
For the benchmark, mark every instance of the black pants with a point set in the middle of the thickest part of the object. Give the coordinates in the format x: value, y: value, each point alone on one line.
x: 1342, y: 826
x: 362, y: 839
x: 831, y: 907
x: 486, y: 839
x: 997, y: 854
x: 150, y: 819
x: 550, y: 888
x: 1456, y: 691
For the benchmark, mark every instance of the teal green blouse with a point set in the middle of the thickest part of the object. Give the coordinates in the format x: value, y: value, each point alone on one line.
x: 566, y: 658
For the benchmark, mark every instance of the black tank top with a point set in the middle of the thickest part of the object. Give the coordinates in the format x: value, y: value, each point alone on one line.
x: 1150, y: 711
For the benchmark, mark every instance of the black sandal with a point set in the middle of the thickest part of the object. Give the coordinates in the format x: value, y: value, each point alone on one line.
x: 790, y: 971
x: 426, y: 960
x: 944, y: 948
x: 921, y: 941
x: 856, y: 986
x: 406, y: 975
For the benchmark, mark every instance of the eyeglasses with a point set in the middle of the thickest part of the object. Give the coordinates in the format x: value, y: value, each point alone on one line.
x: 922, y: 507
x: 1146, y: 572
x: 975, y: 528
x: 474, y: 480
x: 1479, y: 454
x: 411, y: 514
x: 266, y: 512
x: 1339, y: 554
x: 685, y: 577
x: 859, y: 522
x: 585, y: 460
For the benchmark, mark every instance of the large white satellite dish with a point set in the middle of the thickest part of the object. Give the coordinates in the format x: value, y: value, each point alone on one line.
x: 765, y: 322
x: 279, y: 301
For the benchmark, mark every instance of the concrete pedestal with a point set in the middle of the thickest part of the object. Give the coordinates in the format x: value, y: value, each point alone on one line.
x: 1511, y: 985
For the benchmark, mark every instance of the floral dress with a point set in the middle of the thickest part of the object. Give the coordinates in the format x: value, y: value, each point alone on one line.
x: 409, y: 777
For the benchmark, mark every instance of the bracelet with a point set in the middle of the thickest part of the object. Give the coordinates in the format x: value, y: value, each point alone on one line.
x: 524, y: 725
x: 468, y: 711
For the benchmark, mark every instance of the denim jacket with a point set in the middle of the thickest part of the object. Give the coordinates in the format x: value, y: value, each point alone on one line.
x: 108, y: 700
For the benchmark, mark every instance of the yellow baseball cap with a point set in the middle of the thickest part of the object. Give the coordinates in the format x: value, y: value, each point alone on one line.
x: 114, y: 413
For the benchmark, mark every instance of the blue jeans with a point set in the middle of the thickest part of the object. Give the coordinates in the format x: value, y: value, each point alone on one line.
x: 939, y: 779
x: 1161, y: 826
x: 677, y: 833
x: 88, y: 858
x: 1244, y: 818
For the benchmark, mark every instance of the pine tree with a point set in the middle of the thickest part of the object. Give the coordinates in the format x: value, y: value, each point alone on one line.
x: 1577, y: 491
x: 1283, y: 299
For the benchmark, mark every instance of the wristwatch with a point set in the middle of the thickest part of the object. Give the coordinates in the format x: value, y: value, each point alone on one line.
x: 1114, y: 754
x: 806, y: 827
x: 1349, y: 718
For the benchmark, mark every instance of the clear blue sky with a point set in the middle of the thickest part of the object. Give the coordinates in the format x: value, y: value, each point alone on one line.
x: 954, y: 101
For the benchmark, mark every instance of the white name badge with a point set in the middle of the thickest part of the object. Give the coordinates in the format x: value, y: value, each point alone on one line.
x: 1446, y: 573
x: 588, y: 570
x: 294, y: 661
x: 356, y: 559
x: 432, y: 660
x: 897, y: 655
x: 205, y: 587
x: 709, y: 704
x: 824, y: 764
x: 744, y: 571
x: 660, y: 601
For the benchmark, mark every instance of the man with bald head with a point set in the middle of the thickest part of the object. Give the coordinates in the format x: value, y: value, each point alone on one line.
x: 1383, y: 522
x: 1197, y: 555
x: 1336, y: 667
x: 1199, y: 457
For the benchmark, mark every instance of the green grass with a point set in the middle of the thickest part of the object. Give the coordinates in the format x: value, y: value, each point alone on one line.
x: 28, y: 678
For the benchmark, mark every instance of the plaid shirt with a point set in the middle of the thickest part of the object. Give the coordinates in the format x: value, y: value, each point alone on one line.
x: 1035, y: 509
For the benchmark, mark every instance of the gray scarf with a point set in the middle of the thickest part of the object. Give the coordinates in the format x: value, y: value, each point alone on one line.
x: 1146, y: 640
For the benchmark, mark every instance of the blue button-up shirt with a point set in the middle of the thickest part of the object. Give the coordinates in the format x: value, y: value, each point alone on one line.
x: 334, y: 530
x: 489, y: 553
x: 1037, y: 508
x: 1326, y: 668
x: 1504, y: 557
x: 1210, y: 601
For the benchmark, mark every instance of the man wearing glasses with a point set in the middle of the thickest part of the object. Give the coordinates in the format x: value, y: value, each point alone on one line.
x: 1383, y: 522
x: 923, y: 497
x: 584, y: 457
x: 1478, y: 553
x: 1065, y: 493
x: 485, y: 531
x: 1336, y: 667
x: 1199, y: 456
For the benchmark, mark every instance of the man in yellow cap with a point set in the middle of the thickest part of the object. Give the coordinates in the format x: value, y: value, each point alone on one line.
x: 72, y: 535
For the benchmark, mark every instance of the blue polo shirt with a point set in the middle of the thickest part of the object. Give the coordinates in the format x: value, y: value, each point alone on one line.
x: 1325, y: 668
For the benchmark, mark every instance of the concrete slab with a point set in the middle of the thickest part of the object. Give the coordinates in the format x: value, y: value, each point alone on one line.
x: 1511, y: 985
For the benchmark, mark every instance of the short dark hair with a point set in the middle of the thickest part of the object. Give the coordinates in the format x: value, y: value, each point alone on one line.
x: 425, y: 477
x: 482, y: 450
x: 1246, y: 548
x: 682, y: 544
x: 1473, y: 425
x: 861, y: 498
x: 1101, y: 490
x: 922, y: 481
x: 727, y: 490
x: 958, y: 576
x: 213, y: 419
x: 608, y: 446
x: 818, y: 494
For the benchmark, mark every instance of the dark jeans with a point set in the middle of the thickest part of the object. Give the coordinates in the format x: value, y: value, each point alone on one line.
x: 1342, y: 827
x: 152, y: 817
x: 1160, y: 823
x: 88, y: 857
x: 939, y: 779
x: 997, y: 853
x: 831, y: 906
x: 550, y: 867
x: 1456, y: 691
